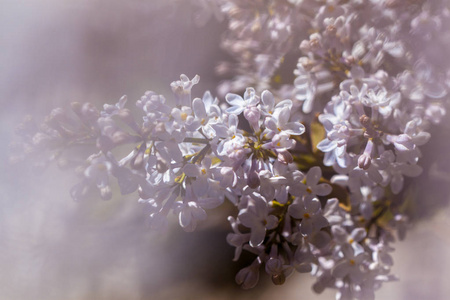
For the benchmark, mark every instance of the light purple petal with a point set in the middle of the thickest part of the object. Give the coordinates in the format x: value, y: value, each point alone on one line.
x: 322, y: 189
x: 257, y: 236
x: 341, y: 269
x: 313, y: 176
x: 326, y: 145
x: 306, y: 226
x: 267, y: 99
x: 358, y: 234
x: 199, y: 108
x: 191, y: 170
x: 397, y: 183
x: 294, y: 128
x: 234, y: 99
x: 236, y: 110
x: 283, y: 116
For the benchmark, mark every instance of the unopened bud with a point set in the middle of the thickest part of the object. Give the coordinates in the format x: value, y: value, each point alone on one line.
x: 304, y: 46
x: 253, y: 180
x: 252, y: 115
x: 278, y: 279
x: 161, y: 167
x: 365, y: 121
x: 364, y: 161
x: 285, y: 157
x: 89, y: 112
x: 137, y: 162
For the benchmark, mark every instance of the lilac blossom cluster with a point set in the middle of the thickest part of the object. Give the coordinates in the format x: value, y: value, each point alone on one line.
x: 314, y: 178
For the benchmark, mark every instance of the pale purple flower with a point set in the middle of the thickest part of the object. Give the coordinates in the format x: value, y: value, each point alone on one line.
x: 256, y: 217
x: 279, y: 124
x: 309, y: 211
x: 239, y: 104
x: 349, y: 265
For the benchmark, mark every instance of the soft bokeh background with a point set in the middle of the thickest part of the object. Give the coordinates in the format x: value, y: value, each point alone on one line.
x: 56, y: 52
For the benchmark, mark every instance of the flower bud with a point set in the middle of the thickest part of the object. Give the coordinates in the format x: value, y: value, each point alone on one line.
x: 285, y: 157
x: 364, y: 161
x: 253, y: 180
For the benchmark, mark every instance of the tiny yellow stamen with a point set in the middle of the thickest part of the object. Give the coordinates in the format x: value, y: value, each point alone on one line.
x: 183, y: 116
x: 180, y: 179
x: 277, y: 78
x: 306, y: 216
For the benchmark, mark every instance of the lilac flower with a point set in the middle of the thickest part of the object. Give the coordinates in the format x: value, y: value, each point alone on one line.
x: 182, y: 89
x: 343, y: 238
x: 237, y: 239
x: 239, y: 104
x: 309, y: 211
x: 313, y: 188
x: 248, y: 277
x: 256, y: 217
x: 207, y: 113
x: 349, y: 265
x: 279, y: 124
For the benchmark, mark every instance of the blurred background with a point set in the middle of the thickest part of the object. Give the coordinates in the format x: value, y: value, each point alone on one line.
x: 55, y: 52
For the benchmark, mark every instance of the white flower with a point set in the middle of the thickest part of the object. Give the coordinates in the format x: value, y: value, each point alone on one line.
x: 190, y: 211
x: 309, y: 211
x: 268, y: 106
x: 395, y: 171
x: 248, y: 277
x: 421, y: 83
x: 381, y: 101
x: 182, y: 89
x: 350, y: 265
x: 201, y: 173
x: 237, y: 239
x: 343, y: 238
x: 232, y: 138
x: 256, y: 217
x: 239, y: 104
x: 279, y: 123
x: 313, y: 188
x: 207, y: 112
